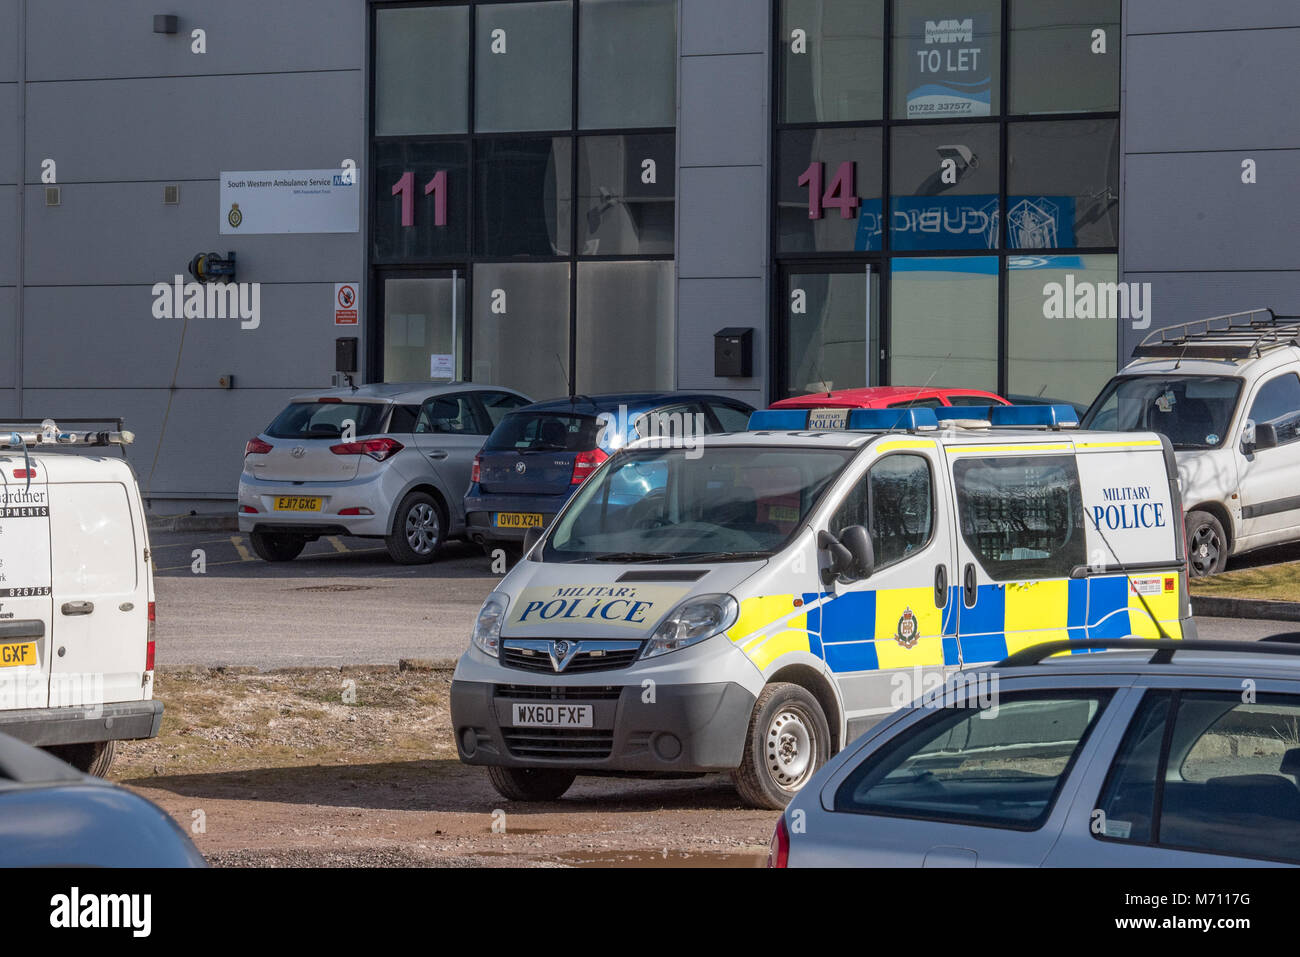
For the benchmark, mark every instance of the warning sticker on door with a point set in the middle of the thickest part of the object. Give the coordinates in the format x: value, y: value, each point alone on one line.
x: 1153, y: 586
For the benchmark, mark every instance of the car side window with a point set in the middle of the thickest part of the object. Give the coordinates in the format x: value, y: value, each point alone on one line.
x: 497, y: 404
x: 402, y: 421
x: 673, y: 422
x: 1022, y: 516
x: 1278, y: 404
x: 1228, y: 781
x: 732, y: 418
x: 448, y: 415
x: 965, y: 400
x: 894, y: 501
x: 1000, y: 766
x: 918, y: 404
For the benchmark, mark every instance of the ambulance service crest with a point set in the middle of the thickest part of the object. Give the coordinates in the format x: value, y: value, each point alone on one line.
x: 907, y: 629
x: 234, y: 217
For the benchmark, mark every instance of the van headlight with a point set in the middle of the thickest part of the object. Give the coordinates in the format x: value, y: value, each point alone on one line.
x: 487, y: 627
x: 692, y: 621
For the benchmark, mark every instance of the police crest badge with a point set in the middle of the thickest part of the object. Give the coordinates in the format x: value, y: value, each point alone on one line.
x: 907, y: 629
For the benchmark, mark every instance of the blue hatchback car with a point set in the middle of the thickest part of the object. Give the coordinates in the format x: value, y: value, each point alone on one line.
x: 538, y: 455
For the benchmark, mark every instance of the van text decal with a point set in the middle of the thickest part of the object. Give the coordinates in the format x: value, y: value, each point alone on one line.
x: 624, y: 606
x: 1128, y: 506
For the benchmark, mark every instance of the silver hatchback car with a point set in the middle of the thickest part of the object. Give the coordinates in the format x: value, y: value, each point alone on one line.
x: 1147, y: 753
x: 388, y: 460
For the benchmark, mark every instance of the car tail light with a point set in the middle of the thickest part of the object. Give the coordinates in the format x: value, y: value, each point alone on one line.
x: 377, y: 449
x: 476, y: 470
x: 248, y: 510
x: 256, y: 446
x: 778, y: 853
x: 148, y: 653
x: 586, y: 463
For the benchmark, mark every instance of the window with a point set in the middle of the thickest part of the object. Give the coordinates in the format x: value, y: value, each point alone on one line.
x: 947, y: 60
x: 544, y: 432
x: 1064, y: 56
x: 626, y: 186
x: 1192, y: 411
x: 895, y: 503
x: 625, y: 326
x: 944, y: 187
x: 1063, y: 184
x: 627, y: 63
x: 402, y: 421
x: 1278, y: 404
x: 325, y: 420
x: 828, y: 190
x: 522, y: 66
x: 521, y: 326
x: 449, y: 415
x: 497, y: 404
x: 832, y: 60
x: 998, y: 768
x: 944, y: 321
x: 831, y: 329
x: 423, y: 317
x: 1222, y: 780
x: 416, y: 93
x: 1055, y: 354
x: 732, y: 418
x: 406, y: 218
x: 523, y: 197
x: 1022, y: 517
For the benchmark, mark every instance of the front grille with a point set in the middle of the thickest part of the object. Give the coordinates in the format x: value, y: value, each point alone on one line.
x: 559, y: 742
x: 543, y: 693
x: 583, y: 661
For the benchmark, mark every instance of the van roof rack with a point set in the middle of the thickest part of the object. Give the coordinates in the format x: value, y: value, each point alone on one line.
x: 25, y: 433
x: 1162, y: 649
x: 1236, y: 335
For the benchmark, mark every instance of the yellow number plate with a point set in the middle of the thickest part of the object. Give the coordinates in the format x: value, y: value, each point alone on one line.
x: 14, y: 655
x: 519, y: 520
x: 297, y: 503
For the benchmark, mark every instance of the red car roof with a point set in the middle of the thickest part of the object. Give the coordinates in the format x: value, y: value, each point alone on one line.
x: 879, y: 397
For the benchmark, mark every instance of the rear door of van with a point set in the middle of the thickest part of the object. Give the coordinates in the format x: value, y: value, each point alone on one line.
x: 100, y: 590
x: 26, y: 609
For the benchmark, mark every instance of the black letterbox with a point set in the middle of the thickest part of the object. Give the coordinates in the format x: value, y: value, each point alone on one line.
x: 733, y: 352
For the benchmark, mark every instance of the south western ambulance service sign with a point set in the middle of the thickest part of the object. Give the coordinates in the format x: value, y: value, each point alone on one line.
x: 290, y: 201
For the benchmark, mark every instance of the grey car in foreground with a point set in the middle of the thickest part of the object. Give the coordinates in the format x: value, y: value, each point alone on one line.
x: 1141, y: 753
x: 52, y: 815
x: 386, y: 460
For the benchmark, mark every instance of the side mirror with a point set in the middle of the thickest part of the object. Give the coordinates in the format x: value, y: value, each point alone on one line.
x: 1265, y: 436
x: 852, y: 555
x: 532, y: 537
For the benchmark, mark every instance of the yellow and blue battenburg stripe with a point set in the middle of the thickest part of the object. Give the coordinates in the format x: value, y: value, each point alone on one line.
x: 860, y: 630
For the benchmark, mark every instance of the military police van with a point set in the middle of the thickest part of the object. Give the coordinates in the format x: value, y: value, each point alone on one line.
x: 76, y: 594
x: 771, y: 596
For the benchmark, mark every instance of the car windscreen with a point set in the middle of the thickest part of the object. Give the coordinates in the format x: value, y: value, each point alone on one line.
x: 1193, y: 411
x: 544, y: 432
x: 327, y: 420
x: 694, y: 505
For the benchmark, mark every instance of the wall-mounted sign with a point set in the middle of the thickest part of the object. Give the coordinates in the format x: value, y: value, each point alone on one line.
x: 345, y: 303
x: 290, y: 201
x: 949, y: 66
x: 442, y: 366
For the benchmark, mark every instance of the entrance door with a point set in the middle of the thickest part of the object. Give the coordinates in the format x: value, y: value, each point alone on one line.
x: 423, y: 329
x: 827, y: 327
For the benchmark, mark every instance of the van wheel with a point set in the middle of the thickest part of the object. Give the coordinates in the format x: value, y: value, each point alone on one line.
x: 93, y: 757
x: 530, y: 784
x: 788, y: 741
x: 1207, y: 544
x: 419, y: 526
x: 277, y: 548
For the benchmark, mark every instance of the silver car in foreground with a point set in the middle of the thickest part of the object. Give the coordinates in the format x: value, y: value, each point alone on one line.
x: 388, y: 460
x: 1145, y: 753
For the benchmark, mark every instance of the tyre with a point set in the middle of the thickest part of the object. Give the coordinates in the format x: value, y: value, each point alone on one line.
x: 419, y: 528
x: 788, y: 741
x: 530, y: 784
x: 1207, y: 544
x: 93, y: 757
x: 277, y: 547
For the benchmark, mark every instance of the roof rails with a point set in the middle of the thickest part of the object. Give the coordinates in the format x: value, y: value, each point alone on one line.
x: 19, y: 434
x: 1162, y: 649
x: 1236, y: 335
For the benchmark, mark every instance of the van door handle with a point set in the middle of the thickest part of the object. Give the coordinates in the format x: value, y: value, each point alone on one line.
x: 439, y: 454
x: 78, y: 607
x: 940, y: 586
x: 968, y: 585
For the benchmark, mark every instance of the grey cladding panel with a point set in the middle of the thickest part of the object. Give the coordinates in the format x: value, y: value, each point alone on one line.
x: 722, y: 222
x: 724, y: 26
x: 724, y: 115
x: 706, y: 306
x: 1166, y: 16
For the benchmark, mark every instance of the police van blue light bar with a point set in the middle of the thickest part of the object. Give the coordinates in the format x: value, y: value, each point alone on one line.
x: 869, y: 420
x: 778, y: 420
x: 889, y: 420
x: 1052, y: 416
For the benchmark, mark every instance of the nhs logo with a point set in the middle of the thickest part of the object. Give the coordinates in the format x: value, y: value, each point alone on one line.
x: 348, y: 178
x: 950, y: 31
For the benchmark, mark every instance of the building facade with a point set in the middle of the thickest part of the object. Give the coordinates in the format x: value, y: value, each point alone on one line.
x: 579, y: 195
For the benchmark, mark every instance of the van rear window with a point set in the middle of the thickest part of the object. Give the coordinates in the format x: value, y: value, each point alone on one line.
x: 1022, y: 516
x: 325, y: 420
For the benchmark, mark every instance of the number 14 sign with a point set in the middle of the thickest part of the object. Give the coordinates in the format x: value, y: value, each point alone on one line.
x: 840, y: 193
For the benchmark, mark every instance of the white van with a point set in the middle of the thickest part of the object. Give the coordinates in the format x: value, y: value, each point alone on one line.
x: 767, y: 596
x: 76, y: 595
x: 1226, y: 392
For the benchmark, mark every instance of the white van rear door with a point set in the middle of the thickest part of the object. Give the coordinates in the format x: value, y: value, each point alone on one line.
x: 25, y: 603
x: 101, y: 602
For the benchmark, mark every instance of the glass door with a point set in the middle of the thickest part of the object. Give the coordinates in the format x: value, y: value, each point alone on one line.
x: 828, y: 328
x: 422, y: 334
